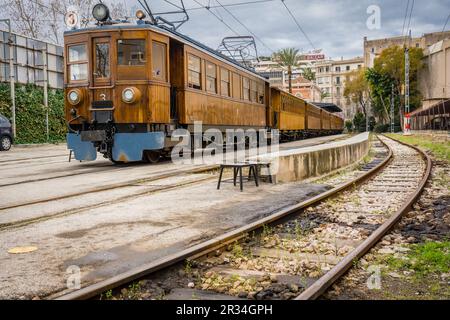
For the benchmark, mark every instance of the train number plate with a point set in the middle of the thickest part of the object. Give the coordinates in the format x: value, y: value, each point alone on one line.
x: 93, y: 135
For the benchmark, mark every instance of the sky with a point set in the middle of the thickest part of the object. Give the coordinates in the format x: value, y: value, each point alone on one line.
x: 338, y: 27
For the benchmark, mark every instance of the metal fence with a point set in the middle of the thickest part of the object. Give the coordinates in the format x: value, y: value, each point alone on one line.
x: 29, y: 61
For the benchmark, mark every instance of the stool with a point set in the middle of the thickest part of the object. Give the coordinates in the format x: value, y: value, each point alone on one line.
x: 237, y: 168
x: 260, y: 165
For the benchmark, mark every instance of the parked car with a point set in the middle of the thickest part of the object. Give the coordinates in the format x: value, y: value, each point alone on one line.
x: 6, y: 138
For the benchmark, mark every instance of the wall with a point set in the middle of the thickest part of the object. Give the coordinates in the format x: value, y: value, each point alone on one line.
x: 305, y: 163
x: 29, y: 60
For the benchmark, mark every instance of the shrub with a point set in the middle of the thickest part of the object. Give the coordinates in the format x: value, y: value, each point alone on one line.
x: 30, y: 113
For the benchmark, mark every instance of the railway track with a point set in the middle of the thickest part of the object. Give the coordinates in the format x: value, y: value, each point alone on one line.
x: 295, y: 253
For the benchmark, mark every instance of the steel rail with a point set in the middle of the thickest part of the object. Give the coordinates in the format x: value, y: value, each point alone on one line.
x: 322, y: 284
x: 213, y: 244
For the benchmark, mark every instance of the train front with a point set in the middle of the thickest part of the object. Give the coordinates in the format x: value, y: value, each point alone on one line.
x: 109, y: 93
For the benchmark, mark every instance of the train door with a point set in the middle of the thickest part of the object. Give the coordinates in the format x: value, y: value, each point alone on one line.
x: 102, y: 90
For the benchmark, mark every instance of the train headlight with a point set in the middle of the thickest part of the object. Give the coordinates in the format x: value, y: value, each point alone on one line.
x: 131, y: 95
x: 140, y: 14
x: 100, y: 12
x: 74, y: 97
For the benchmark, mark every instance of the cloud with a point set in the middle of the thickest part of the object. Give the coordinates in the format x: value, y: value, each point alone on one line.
x: 336, y: 26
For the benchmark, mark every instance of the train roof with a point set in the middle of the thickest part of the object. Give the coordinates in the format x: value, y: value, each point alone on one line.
x: 173, y: 34
x: 330, y: 107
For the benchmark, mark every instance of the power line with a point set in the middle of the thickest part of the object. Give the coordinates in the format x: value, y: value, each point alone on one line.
x: 246, y: 28
x: 446, y: 21
x: 410, y: 13
x: 408, y: 31
x: 404, y: 20
x: 217, y: 17
x: 232, y: 4
x: 298, y: 24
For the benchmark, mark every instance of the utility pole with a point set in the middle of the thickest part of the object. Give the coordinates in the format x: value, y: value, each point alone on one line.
x: 368, y: 107
x: 11, y: 76
x: 392, y: 110
x: 407, y: 66
x: 45, y: 58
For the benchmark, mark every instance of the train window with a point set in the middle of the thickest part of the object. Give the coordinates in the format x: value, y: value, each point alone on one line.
x: 261, y: 93
x: 225, y: 82
x: 131, y: 52
x: 78, y: 72
x: 246, y: 86
x: 194, y: 73
x: 211, y: 77
x: 159, y: 61
x: 102, y: 69
x: 77, y: 53
x: 253, y: 92
x: 78, y: 64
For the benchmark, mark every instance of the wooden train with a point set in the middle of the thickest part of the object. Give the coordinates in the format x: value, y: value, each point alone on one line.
x: 129, y: 86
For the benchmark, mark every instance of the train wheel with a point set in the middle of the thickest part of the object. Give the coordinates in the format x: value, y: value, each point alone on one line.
x: 152, y: 156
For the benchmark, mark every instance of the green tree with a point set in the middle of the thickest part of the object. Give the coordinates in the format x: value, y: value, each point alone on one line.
x: 308, y: 74
x: 357, y: 89
x: 349, y: 125
x: 388, y: 70
x: 359, y: 122
x: 288, y: 58
x: 323, y: 95
x: 381, y: 88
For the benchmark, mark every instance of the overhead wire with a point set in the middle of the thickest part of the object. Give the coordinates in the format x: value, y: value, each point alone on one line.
x: 298, y: 24
x: 245, y: 27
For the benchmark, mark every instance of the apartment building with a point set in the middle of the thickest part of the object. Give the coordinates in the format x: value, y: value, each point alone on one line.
x: 373, y: 48
x: 331, y: 76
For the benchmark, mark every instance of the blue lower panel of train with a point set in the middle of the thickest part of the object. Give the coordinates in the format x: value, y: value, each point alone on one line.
x: 127, y: 147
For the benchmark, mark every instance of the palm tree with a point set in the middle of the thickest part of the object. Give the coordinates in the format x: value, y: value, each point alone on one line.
x: 323, y: 95
x: 288, y: 58
x: 308, y: 74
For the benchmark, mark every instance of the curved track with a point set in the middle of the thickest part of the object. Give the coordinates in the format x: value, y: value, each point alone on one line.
x: 398, y: 165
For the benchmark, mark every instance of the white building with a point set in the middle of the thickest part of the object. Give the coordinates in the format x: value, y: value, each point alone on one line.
x: 331, y: 76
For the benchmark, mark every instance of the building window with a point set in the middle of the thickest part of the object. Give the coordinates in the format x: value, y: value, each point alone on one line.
x: 359, y: 66
x: 78, y: 64
x: 159, y: 61
x: 246, y: 87
x: 131, y: 52
x: 194, y: 73
x: 253, y: 92
x: 373, y: 50
x: 211, y: 77
x: 347, y: 68
x: 338, y: 69
x: 327, y: 69
x: 338, y: 80
x: 225, y: 83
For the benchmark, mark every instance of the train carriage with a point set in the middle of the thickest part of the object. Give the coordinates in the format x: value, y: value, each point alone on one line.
x: 129, y: 86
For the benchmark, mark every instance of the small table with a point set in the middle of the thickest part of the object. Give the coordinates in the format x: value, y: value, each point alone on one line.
x: 253, y: 171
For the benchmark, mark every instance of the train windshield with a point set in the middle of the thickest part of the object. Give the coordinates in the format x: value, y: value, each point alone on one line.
x: 131, y: 52
x: 102, y: 62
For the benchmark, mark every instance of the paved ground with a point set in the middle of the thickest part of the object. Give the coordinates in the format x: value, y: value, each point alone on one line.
x: 114, y: 228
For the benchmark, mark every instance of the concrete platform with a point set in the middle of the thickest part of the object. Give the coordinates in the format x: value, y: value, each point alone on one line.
x: 299, y: 164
